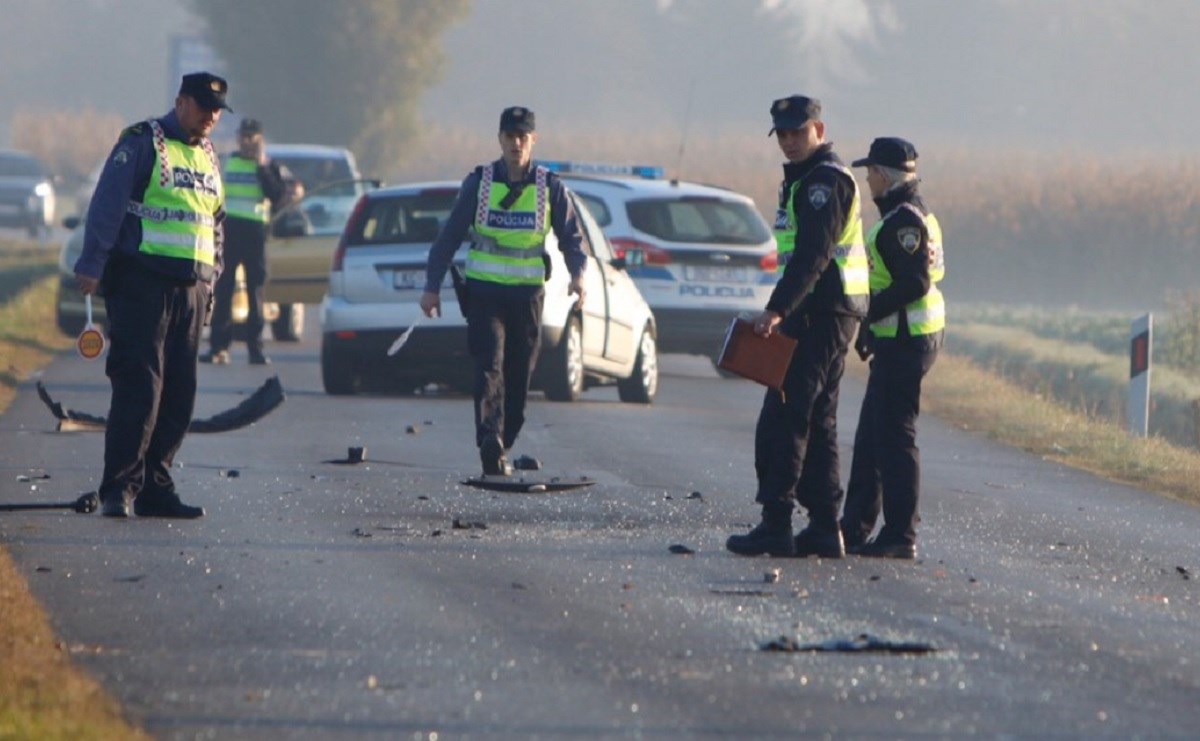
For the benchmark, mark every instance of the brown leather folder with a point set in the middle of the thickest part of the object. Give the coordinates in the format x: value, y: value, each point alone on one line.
x: 750, y: 355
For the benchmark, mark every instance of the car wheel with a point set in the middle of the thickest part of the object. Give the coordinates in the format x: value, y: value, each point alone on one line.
x: 289, y: 326
x: 642, y: 384
x: 337, y: 373
x: 565, y: 380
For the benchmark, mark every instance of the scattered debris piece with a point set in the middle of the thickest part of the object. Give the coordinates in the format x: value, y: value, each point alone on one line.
x: 518, y: 585
x: 412, y: 430
x: 428, y: 423
x: 458, y: 524
x: 695, y: 495
x: 875, y: 577
x: 130, y: 579
x: 527, y: 463
x: 1183, y: 572
x: 231, y: 473
x: 681, y: 550
x: 743, y: 592
x: 253, y: 408
x: 771, y: 576
x: 43, y: 569
x: 435, y: 533
x: 84, y: 504
x: 863, y: 642
x: 354, y: 456
x: 358, y: 532
x: 524, y: 485
x: 25, y: 479
x: 423, y: 498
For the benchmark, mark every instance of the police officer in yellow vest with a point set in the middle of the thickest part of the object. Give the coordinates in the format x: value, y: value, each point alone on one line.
x: 255, y: 186
x: 505, y: 210
x: 152, y: 246
x: 819, y: 299
x: 904, y: 331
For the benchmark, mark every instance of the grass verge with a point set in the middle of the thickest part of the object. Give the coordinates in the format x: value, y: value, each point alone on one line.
x: 42, y: 695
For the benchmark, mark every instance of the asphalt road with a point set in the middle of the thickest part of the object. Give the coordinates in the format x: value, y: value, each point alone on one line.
x: 324, y: 601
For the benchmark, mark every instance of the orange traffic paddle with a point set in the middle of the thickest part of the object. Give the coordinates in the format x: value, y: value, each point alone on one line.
x: 91, y: 340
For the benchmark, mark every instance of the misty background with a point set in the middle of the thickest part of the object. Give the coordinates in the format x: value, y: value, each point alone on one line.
x: 1013, y: 104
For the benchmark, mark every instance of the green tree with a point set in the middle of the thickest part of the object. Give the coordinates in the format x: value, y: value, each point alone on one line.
x: 343, y: 73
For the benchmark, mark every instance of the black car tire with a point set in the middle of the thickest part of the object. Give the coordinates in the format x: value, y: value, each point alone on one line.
x: 642, y: 384
x: 337, y: 373
x: 289, y: 325
x: 564, y: 380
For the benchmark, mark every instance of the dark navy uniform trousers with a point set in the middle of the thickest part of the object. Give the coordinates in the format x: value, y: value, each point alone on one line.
x: 154, y: 326
x: 245, y: 245
x: 504, y: 330
x: 886, y: 471
x: 795, y: 442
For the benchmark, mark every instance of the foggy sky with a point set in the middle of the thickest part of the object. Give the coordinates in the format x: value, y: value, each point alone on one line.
x: 1093, y: 75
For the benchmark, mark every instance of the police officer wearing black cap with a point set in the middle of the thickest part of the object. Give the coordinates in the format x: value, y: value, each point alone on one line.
x: 903, y: 331
x: 152, y: 246
x: 505, y: 210
x: 255, y: 187
x: 819, y: 299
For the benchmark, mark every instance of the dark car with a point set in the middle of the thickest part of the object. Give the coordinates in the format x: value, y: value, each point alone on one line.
x: 26, y: 193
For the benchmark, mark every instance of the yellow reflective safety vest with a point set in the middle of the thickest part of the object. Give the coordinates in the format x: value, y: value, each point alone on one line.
x: 850, y: 252
x: 178, y: 210
x: 927, y: 314
x: 507, y: 244
x: 244, y: 197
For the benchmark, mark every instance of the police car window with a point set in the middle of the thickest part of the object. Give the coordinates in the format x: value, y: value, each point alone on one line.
x: 597, y: 207
x: 701, y: 220
x: 410, y: 219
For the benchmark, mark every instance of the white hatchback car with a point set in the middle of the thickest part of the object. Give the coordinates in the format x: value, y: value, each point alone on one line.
x: 377, y: 278
x: 700, y: 254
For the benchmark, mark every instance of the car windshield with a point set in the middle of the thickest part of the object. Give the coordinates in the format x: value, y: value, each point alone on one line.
x: 702, y: 219
x: 19, y: 165
x: 330, y: 175
x: 408, y: 218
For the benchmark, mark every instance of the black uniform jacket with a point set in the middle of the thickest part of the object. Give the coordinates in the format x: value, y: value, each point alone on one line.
x: 909, y: 267
x: 811, y: 283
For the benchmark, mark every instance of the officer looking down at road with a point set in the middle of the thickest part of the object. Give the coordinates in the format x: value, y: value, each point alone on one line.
x: 819, y: 300
x: 152, y: 247
x: 255, y: 187
x: 904, y: 330
x: 505, y: 209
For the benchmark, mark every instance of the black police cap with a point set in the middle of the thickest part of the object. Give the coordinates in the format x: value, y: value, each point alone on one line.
x: 890, y: 151
x: 517, y: 118
x: 793, y: 112
x: 250, y: 126
x: 206, y: 89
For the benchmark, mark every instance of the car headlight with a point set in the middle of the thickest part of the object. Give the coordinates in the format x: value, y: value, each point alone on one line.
x: 42, y: 190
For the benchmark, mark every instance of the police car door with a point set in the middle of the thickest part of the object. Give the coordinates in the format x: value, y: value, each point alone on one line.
x: 608, y: 289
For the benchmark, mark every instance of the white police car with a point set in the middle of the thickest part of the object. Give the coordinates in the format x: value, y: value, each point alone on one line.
x: 378, y: 275
x: 700, y: 254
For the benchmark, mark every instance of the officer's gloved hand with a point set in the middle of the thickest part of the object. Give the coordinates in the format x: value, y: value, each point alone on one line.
x: 864, y: 344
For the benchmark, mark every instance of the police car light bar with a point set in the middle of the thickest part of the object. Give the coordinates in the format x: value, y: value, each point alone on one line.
x: 649, y: 172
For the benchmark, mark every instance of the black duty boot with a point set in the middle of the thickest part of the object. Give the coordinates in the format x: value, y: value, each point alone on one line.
x: 823, y: 543
x: 772, y: 538
x: 491, y: 455
x: 165, y: 506
x: 114, y: 506
x: 887, y: 549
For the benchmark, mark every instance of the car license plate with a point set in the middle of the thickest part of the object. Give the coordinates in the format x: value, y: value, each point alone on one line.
x: 408, y: 280
x: 715, y: 273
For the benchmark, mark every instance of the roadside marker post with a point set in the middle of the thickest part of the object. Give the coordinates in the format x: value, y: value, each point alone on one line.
x: 1137, y: 410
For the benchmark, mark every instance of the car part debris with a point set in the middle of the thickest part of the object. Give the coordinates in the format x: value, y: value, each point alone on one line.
x: 770, y: 577
x: 524, y: 485
x: 862, y: 643
x: 680, y: 550
x: 458, y: 524
x: 743, y: 592
x: 85, y: 504
x: 527, y: 463
x: 253, y: 408
x: 354, y: 455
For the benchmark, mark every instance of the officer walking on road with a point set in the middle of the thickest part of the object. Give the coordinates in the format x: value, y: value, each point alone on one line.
x: 904, y: 330
x: 152, y: 246
x: 254, y: 186
x: 505, y: 209
x: 819, y: 300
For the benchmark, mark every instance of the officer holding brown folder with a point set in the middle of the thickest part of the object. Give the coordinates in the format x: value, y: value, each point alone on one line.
x: 821, y: 295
